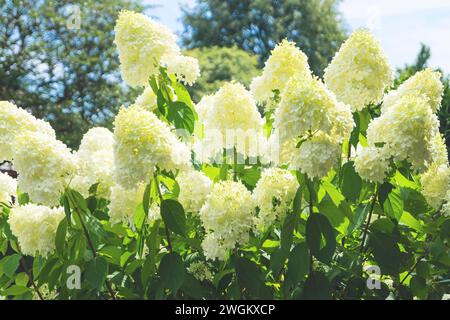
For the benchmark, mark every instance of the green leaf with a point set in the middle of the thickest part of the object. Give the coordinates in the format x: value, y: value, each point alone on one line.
x: 139, y: 217
x: 408, y: 220
x: 317, y: 287
x: 277, y: 260
x: 78, y: 200
x: 384, y: 191
x: 15, y: 290
x: 335, y: 195
x: 96, y: 271
x: 361, y: 214
x: 194, y: 288
x: 393, y: 205
x: 181, y: 116
x: 297, y: 203
x: 351, y: 182
x: 419, y: 287
x: 249, y: 277
x: 146, y: 198
x: 9, y: 264
x: 172, y: 272
x: 67, y: 209
x: 298, y: 265
x: 60, y: 237
x: 385, y: 252
x: 320, y: 237
x: 290, y: 222
x: 173, y: 216
x: 182, y: 94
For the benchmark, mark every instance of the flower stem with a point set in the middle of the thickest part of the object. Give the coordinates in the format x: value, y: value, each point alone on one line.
x: 169, y: 242
x: 366, y: 228
x: 30, y: 276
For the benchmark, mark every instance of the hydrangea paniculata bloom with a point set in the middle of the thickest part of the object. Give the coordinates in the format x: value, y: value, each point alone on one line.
x: 285, y: 61
x: 228, y: 214
x: 435, y: 184
x: 14, y: 120
x: 194, y: 188
x: 407, y: 128
x: 143, y: 45
x: 426, y: 83
x: 45, y: 166
x: 359, y: 72
x: 95, y: 162
x: 372, y: 163
x: 35, y: 228
x: 273, y: 194
x: 141, y: 142
x: 8, y: 187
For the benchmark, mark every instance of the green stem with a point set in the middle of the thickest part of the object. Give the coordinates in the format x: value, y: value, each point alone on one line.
x: 366, y: 228
x: 30, y: 276
x: 234, y: 164
x: 169, y: 242
x: 91, y: 245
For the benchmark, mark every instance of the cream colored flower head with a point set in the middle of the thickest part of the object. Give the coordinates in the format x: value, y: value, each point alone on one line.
x: 125, y: 202
x: 35, y: 228
x: 45, y: 166
x: 307, y: 106
x: 285, y: 61
x: 95, y: 162
x: 435, y: 184
x: 317, y: 156
x: 195, y: 186
x: 142, y: 142
x: 359, y: 72
x: 273, y: 194
x: 185, y: 68
x: 147, y: 99
x: 426, y: 83
x: 14, y: 120
x: 228, y: 214
x: 407, y: 128
x: 144, y: 45
x: 8, y: 188
x: 372, y: 163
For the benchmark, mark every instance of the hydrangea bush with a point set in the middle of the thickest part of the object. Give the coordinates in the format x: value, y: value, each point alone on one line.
x: 290, y: 190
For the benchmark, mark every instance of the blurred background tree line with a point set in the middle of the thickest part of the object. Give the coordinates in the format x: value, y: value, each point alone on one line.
x: 71, y: 76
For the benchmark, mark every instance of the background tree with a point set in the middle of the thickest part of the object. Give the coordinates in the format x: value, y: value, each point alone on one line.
x: 68, y: 76
x: 219, y: 65
x: 257, y: 26
x: 421, y: 63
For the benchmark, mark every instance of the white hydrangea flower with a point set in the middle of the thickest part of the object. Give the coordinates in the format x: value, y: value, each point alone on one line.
x: 426, y: 83
x: 95, y: 162
x: 143, y: 45
x: 147, y: 99
x: 124, y: 203
x: 372, y: 163
x: 307, y: 106
x: 185, y: 68
x: 435, y: 184
x: 203, y: 106
x: 359, y: 72
x: 141, y: 142
x: 273, y: 194
x: 228, y: 214
x: 8, y: 188
x: 213, y: 247
x: 285, y: 61
x: 45, y: 166
x: 317, y: 156
x: 201, y: 271
x: 407, y: 128
x: 35, y: 228
x: 232, y: 120
x: 438, y: 150
x: 195, y: 186
x: 14, y: 120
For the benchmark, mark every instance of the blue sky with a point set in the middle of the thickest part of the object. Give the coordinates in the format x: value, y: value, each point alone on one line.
x: 400, y: 25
